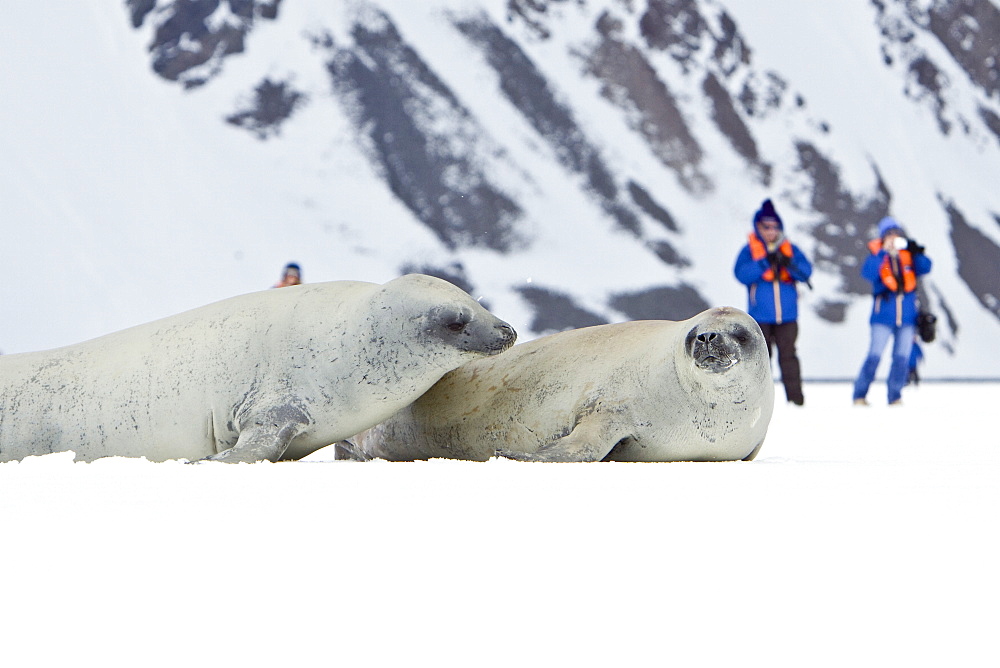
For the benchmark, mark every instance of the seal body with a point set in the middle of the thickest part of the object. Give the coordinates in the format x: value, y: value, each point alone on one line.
x: 655, y: 391
x: 268, y: 375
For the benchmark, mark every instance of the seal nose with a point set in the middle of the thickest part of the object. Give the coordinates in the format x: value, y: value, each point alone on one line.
x: 707, y: 337
x: 507, y: 336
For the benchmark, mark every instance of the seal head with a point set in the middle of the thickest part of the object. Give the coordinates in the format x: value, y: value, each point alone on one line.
x: 458, y: 326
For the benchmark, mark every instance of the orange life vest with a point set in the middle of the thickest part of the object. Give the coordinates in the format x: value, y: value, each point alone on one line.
x: 904, y: 264
x: 758, y: 251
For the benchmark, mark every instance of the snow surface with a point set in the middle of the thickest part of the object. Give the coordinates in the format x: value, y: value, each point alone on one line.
x: 860, y: 536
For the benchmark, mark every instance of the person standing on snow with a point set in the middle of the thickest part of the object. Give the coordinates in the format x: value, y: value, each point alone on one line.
x: 771, y: 266
x: 290, y: 275
x: 893, y: 267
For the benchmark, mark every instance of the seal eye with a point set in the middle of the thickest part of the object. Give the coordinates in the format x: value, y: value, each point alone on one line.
x: 451, y: 320
x: 742, y: 335
x: 689, y: 340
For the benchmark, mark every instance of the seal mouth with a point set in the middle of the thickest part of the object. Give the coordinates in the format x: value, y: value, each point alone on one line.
x: 506, y: 338
x: 715, y: 364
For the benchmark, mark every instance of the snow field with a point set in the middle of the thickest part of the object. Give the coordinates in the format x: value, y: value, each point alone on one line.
x: 859, y: 535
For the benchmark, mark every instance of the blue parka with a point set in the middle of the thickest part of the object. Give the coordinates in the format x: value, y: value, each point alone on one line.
x: 888, y: 307
x: 776, y: 301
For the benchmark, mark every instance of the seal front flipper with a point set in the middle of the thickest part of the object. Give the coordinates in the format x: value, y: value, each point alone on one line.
x: 590, y: 441
x: 266, y: 438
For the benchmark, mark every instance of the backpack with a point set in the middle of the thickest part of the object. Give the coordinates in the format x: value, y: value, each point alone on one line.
x: 926, y: 325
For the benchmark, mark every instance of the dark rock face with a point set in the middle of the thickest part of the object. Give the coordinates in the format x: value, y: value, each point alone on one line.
x: 651, y: 207
x: 978, y: 259
x: 662, y: 303
x: 429, y: 147
x: 556, y: 311
x: 667, y: 253
x: 992, y: 121
x: 844, y: 225
x: 926, y: 82
x: 832, y: 311
x: 524, y: 86
x: 138, y: 9
x: 533, y: 12
x: 970, y: 31
x: 732, y: 126
x: 629, y: 82
x: 680, y: 28
x: 967, y: 29
x: 189, y: 47
x: 762, y: 94
x: 271, y: 105
x: 674, y: 26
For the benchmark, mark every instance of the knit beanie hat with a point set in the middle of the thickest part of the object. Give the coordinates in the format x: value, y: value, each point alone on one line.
x: 886, y: 224
x: 767, y: 212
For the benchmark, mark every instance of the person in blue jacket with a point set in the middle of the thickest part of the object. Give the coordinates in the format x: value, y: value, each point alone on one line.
x: 892, y: 267
x: 771, y: 267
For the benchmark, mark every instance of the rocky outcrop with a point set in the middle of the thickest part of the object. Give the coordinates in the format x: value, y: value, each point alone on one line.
x: 193, y: 37
x: 555, y: 311
x: 629, y: 82
x: 967, y: 30
x: 527, y: 90
x: 660, y: 303
x: 978, y: 257
x: 845, y: 219
x: 271, y: 104
x: 428, y: 146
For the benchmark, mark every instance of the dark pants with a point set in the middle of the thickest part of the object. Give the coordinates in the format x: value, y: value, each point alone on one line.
x: 783, y: 336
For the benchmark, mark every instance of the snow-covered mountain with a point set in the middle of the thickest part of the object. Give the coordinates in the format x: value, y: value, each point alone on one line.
x: 569, y: 162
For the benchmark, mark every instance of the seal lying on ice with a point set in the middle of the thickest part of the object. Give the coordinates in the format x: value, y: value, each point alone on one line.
x: 654, y: 391
x: 264, y: 376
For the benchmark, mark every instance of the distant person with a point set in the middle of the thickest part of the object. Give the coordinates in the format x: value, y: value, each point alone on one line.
x: 916, y: 356
x: 892, y: 267
x: 292, y: 275
x: 771, y: 267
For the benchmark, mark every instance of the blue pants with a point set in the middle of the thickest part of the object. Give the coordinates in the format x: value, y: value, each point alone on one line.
x: 900, y: 369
